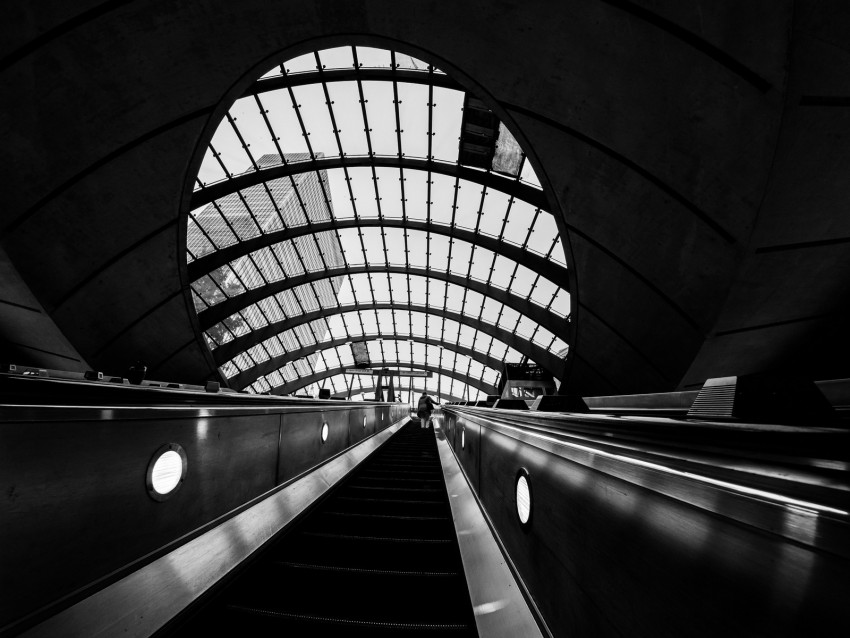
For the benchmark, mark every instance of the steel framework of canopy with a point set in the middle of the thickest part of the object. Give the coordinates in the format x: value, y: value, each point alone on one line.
x: 332, y: 207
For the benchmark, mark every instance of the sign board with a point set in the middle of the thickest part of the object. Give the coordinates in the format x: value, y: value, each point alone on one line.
x: 387, y: 373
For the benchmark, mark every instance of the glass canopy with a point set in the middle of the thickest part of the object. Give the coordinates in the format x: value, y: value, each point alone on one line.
x: 341, y: 202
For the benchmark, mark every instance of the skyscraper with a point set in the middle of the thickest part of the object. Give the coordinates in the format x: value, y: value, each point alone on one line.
x: 257, y: 210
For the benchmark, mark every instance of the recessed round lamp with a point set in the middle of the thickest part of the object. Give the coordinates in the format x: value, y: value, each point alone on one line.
x: 523, y: 498
x: 166, y: 471
x: 364, y: 422
x: 325, y: 430
x: 463, y: 437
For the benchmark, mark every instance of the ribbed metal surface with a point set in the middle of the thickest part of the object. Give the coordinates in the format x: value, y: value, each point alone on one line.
x: 714, y: 401
x: 379, y: 557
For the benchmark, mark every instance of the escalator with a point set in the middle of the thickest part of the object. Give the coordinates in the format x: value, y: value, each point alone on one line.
x: 377, y: 557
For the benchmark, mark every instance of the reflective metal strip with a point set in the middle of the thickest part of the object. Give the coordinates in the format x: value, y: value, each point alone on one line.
x: 143, y: 602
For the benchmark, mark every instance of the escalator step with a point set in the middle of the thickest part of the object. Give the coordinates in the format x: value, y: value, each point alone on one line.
x: 378, y: 557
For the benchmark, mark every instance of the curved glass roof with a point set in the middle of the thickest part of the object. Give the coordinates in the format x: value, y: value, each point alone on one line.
x: 348, y: 200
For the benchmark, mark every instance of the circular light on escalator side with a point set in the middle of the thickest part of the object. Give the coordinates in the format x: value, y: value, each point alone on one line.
x: 523, y: 498
x: 364, y: 422
x: 463, y: 438
x: 325, y: 431
x: 166, y: 471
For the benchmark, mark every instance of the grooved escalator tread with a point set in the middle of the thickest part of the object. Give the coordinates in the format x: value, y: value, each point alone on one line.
x: 377, y: 557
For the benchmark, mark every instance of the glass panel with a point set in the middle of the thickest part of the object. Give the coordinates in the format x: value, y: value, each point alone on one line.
x: 338, y: 58
x: 255, y: 212
x: 404, y: 61
x: 545, y: 230
x: 543, y: 292
x: 468, y: 204
x: 230, y: 150
x: 345, y: 100
x: 493, y: 213
x: 380, y: 109
x: 254, y: 131
x: 301, y: 64
x: 528, y: 175
x: 370, y: 58
x: 414, y: 119
x: 416, y: 194
x: 210, y: 171
x: 364, y: 191
x: 389, y: 188
x: 317, y: 121
x: 442, y: 198
x: 448, y: 113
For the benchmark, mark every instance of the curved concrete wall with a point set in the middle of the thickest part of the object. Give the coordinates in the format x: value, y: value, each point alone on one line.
x: 673, y: 138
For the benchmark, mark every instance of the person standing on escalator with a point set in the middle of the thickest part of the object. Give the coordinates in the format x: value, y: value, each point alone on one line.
x: 423, y: 410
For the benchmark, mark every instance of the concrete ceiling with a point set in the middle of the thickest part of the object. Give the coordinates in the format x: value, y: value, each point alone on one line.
x: 696, y: 153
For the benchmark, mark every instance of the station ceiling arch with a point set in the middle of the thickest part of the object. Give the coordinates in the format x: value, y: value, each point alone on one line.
x: 351, y: 185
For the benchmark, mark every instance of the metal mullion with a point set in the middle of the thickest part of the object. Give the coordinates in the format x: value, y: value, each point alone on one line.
x: 328, y: 102
x: 552, y: 247
x: 306, y: 136
x: 377, y: 193
x: 552, y: 300
x: 360, y: 319
x: 552, y: 342
x: 490, y: 347
x: 298, y: 254
x: 232, y: 121
x: 534, y: 332
x: 318, y: 302
x: 250, y: 257
x: 377, y: 322
x: 531, y: 229
x: 339, y: 145
x: 406, y: 249
x: 217, y: 156
x: 443, y: 322
x: 401, y: 179
x: 392, y: 300
x: 522, y: 161
x: 480, y: 209
x: 533, y: 286
x: 468, y: 276
x: 430, y: 114
x: 276, y: 207
x: 315, y: 238
x: 499, y: 316
x: 205, y: 234
x: 513, y: 276
x: 383, y: 353
x: 451, y: 227
x: 368, y: 132
x: 324, y: 360
x: 366, y: 262
x: 366, y: 128
x: 348, y: 335
x: 304, y: 131
x: 396, y: 102
x: 341, y: 249
x: 226, y: 223
x: 507, y: 215
x: 516, y: 325
x: 427, y: 250
x: 264, y: 113
x: 492, y: 267
x: 480, y: 315
x: 250, y: 213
